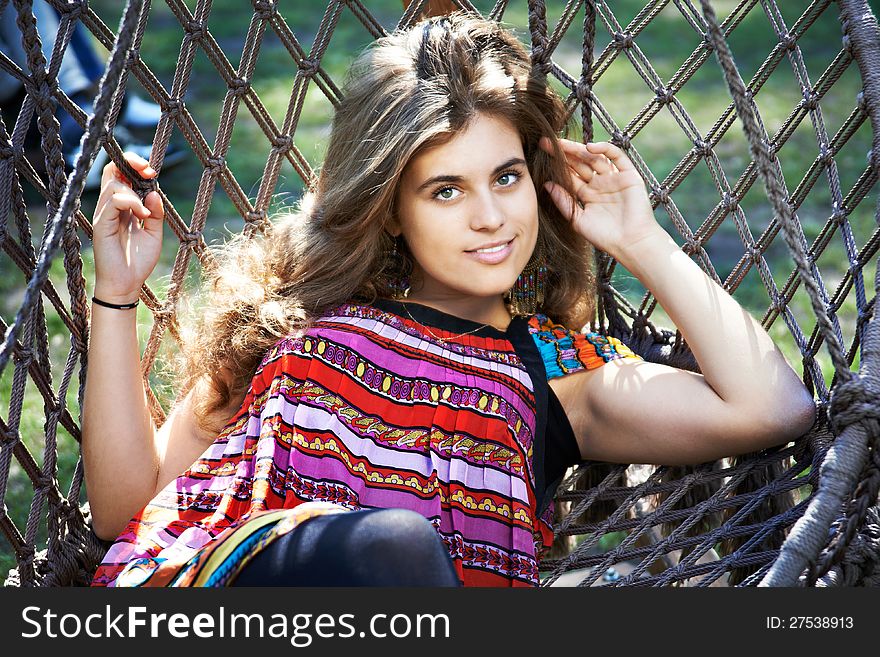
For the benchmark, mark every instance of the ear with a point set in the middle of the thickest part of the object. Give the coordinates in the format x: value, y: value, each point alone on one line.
x: 393, y: 227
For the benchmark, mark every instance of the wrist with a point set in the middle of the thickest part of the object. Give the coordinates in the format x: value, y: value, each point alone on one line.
x: 645, y: 248
x: 114, y: 298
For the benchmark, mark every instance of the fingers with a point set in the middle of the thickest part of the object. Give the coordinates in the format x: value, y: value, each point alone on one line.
x: 614, y: 154
x: 153, y: 202
x: 117, y: 198
x: 566, y: 203
x: 118, y: 206
x: 601, y: 157
x: 111, y: 171
x: 154, y: 222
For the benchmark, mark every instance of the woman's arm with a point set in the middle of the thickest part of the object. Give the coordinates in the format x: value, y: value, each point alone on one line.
x: 120, y: 457
x: 629, y: 411
x: 118, y: 446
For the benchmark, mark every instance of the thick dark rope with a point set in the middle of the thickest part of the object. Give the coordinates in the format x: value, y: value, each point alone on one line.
x: 855, y: 530
x: 847, y: 456
x: 109, y: 86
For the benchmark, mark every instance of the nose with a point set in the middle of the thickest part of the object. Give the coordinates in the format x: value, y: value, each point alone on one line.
x: 487, y: 213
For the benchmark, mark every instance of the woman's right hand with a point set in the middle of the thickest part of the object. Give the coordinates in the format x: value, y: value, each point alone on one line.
x: 126, y: 234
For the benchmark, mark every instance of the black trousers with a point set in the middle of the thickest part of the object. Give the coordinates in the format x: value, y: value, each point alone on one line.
x: 370, y: 547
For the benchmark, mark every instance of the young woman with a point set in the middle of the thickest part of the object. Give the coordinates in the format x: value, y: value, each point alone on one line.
x: 388, y: 388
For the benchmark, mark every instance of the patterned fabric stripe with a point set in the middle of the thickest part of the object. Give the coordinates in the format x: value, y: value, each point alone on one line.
x: 394, y: 379
x: 484, y: 556
x: 425, y: 394
x: 390, y: 489
x: 414, y: 472
x: 409, y: 419
x: 408, y: 346
x: 333, y: 470
x: 371, y: 463
x: 565, y: 350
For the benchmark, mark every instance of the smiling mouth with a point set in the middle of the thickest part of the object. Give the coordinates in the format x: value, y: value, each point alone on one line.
x: 493, y: 249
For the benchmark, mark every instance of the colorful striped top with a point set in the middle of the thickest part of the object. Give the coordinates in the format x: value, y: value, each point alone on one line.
x: 367, y: 409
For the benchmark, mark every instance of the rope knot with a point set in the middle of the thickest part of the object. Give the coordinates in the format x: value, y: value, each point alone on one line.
x: 43, y: 485
x: 239, y: 86
x: 216, y: 164
x: 6, y: 152
x: 23, y: 355
x: 164, y: 314
x: 778, y: 303
x: 189, y: 237
x: 788, y: 42
x: 754, y: 254
x: 851, y: 402
x: 621, y: 139
x: 282, y: 143
x: 195, y: 30
x: 811, y: 99
x: 308, y: 66
x: 78, y: 344
x: 838, y: 214
x: 664, y: 95
x: 582, y: 91
x: 133, y: 57
x: 540, y: 59
x: 256, y: 222
x: 702, y: 147
x: 75, y: 10
x: 173, y: 106
x: 730, y: 202
x: 623, y: 39
x: 255, y: 216
x: 265, y: 9
x: 691, y: 245
x: 661, y: 194
x: 826, y: 155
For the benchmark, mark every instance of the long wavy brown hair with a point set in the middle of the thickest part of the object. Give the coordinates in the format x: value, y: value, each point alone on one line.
x: 406, y: 92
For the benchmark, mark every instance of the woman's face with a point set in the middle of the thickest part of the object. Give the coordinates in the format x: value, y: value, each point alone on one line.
x: 469, y: 213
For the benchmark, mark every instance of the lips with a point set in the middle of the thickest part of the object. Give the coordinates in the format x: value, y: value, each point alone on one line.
x: 493, y: 257
x: 489, y: 246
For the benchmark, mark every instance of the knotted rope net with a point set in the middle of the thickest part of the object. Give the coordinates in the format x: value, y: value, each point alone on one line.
x: 802, y: 514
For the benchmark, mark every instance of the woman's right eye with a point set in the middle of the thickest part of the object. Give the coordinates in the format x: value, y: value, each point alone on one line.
x: 438, y: 194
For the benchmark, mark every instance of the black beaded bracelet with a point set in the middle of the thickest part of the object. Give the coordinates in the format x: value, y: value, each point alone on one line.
x: 119, y: 306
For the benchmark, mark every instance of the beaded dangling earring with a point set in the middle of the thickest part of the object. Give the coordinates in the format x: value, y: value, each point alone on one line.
x: 397, y: 270
x: 527, y: 292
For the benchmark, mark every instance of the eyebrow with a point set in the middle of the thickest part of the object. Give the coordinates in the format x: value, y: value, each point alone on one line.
x: 448, y: 178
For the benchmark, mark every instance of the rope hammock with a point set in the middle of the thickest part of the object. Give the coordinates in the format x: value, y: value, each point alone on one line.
x: 802, y: 514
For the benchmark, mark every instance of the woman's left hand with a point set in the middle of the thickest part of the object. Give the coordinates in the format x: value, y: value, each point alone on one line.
x: 613, y: 209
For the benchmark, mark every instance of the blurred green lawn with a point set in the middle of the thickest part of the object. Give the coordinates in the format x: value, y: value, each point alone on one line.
x: 667, y: 42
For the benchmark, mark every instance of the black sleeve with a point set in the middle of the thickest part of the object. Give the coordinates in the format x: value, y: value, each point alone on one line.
x: 561, y: 449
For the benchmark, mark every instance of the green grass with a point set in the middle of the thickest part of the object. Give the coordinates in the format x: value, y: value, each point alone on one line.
x: 668, y: 41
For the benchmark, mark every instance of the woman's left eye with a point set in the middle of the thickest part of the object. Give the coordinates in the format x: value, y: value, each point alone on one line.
x: 509, y: 174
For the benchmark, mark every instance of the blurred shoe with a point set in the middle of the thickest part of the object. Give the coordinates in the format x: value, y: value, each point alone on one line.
x: 173, y: 155
x: 139, y: 113
x: 93, y: 179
